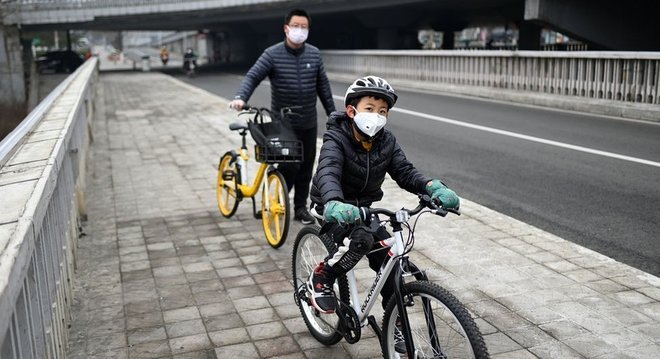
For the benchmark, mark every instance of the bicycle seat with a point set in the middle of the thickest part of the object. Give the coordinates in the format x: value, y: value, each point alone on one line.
x: 234, y: 126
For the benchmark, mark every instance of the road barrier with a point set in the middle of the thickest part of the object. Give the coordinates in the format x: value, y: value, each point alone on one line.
x: 42, y: 185
x: 627, y: 77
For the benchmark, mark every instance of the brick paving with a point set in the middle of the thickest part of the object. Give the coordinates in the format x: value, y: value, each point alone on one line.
x: 161, y: 274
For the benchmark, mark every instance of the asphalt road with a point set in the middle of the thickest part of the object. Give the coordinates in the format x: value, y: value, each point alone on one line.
x: 591, y: 180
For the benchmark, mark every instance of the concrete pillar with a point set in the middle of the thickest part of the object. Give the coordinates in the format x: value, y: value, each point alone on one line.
x: 12, y: 81
x: 448, y: 40
x: 529, y: 36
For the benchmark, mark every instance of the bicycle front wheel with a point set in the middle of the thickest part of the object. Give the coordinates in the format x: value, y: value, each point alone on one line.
x: 227, y: 185
x: 440, y: 325
x: 275, y: 209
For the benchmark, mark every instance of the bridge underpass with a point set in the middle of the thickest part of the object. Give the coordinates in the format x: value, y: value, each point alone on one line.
x: 245, y: 28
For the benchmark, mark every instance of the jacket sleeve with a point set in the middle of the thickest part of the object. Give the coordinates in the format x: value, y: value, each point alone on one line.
x: 404, y: 172
x: 324, y: 91
x: 254, y: 76
x: 330, y: 167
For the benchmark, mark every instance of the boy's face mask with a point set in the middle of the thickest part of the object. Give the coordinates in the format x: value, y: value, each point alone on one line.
x: 369, y: 122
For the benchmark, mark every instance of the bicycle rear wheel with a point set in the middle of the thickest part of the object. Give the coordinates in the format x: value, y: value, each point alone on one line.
x: 440, y: 325
x: 227, y: 185
x: 275, y: 209
x: 309, y: 249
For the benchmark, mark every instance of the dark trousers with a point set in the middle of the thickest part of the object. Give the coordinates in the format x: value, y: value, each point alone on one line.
x: 362, y: 243
x: 299, y: 175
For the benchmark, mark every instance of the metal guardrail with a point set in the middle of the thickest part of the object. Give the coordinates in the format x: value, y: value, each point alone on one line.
x: 15, y: 138
x: 42, y: 185
x: 632, y: 77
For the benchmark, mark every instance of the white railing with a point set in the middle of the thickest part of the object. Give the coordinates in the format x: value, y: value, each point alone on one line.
x: 41, y: 186
x: 620, y: 76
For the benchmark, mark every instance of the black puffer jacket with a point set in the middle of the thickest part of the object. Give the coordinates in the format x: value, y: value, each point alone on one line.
x: 296, y: 76
x: 348, y: 173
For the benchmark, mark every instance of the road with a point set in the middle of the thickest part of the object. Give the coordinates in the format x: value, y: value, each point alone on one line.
x: 592, y: 180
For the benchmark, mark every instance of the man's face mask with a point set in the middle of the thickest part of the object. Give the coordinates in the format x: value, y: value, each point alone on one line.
x: 297, y: 35
x: 369, y: 122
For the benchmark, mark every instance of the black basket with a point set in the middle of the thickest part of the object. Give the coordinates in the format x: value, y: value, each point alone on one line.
x: 275, y: 142
x: 279, y: 151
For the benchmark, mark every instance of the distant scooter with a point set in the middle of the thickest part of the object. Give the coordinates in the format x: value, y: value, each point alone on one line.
x: 189, y: 67
x: 164, y: 58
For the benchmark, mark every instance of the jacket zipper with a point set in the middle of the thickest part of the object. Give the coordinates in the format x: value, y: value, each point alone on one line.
x: 366, y: 180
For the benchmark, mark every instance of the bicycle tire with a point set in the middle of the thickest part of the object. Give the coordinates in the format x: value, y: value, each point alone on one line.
x: 227, y: 190
x: 275, y: 209
x: 459, y: 336
x: 310, y: 248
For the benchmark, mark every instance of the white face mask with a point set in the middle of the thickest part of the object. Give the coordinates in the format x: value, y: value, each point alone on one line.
x: 297, y: 35
x: 369, y: 122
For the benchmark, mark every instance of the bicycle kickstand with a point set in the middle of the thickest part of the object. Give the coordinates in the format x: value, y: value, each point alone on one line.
x: 257, y: 214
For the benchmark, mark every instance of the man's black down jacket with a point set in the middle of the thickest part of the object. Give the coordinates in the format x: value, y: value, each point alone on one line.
x: 296, y: 77
x: 348, y: 173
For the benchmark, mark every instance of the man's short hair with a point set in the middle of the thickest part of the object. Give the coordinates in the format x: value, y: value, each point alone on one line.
x: 297, y: 12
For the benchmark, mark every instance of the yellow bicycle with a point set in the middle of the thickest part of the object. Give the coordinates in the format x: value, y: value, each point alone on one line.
x: 275, y: 143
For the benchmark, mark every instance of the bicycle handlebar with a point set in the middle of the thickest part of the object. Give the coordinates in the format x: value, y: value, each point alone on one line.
x: 284, y: 111
x: 424, y: 202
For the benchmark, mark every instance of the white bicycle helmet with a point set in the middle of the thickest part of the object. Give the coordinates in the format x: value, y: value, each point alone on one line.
x: 371, y: 85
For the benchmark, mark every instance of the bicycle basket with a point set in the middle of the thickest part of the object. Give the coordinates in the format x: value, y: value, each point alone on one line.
x: 275, y: 142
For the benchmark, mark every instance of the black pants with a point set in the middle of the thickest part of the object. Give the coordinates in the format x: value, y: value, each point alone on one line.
x: 361, y: 243
x: 299, y: 175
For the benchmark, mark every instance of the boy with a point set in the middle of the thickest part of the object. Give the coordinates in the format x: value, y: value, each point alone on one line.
x: 356, y: 154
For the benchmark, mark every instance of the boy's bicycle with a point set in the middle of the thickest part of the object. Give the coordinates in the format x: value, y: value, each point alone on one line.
x: 421, y: 320
x: 275, y: 143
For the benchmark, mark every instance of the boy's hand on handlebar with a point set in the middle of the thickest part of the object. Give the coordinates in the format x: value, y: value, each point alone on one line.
x: 439, y: 192
x: 339, y: 212
x: 237, y: 104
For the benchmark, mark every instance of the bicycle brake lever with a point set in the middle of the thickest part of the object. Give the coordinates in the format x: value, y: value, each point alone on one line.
x: 441, y: 211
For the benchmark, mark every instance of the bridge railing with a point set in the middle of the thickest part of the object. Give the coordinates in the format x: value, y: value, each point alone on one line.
x: 632, y: 77
x: 42, y: 171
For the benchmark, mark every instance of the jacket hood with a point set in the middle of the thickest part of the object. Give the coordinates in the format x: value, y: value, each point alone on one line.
x: 335, y: 118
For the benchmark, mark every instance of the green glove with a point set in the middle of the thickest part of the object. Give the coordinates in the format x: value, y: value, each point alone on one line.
x: 339, y: 212
x: 438, y: 191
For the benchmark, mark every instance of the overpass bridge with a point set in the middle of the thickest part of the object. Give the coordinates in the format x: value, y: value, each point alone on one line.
x: 155, y: 271
x: 384, y: 24
x: 238, y: 30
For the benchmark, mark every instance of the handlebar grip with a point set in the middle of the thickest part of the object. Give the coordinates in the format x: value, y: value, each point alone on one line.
x: 438, y: 207
x: 365, y: 215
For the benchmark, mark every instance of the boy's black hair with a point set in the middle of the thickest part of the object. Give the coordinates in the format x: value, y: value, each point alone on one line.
x: 354, y: 101
x: 297, y: 12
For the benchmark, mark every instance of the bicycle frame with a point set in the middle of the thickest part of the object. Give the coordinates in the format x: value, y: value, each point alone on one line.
x: 397, y: 254
x: 249, y: 189
x: 363, y: 309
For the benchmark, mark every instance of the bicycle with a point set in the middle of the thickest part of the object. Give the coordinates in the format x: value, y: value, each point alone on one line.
x: 421, y: 319
x: 274, y: 144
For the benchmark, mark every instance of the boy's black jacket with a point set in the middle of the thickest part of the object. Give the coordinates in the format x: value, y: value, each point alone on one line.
x: 350, y: 174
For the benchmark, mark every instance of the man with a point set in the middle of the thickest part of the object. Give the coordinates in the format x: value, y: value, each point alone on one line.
x: 297, y: 76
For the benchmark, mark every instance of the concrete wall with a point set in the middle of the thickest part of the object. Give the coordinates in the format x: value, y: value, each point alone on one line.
x: 607, y: 24
x: 12, y: 82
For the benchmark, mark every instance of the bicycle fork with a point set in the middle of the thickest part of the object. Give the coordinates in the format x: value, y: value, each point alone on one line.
x: 404, y: 300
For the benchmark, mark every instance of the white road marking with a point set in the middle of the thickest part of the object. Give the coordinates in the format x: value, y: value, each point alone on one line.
x: 524, y: 137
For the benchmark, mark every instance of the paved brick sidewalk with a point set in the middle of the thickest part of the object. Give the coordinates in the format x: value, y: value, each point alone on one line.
x: 161, y: 274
